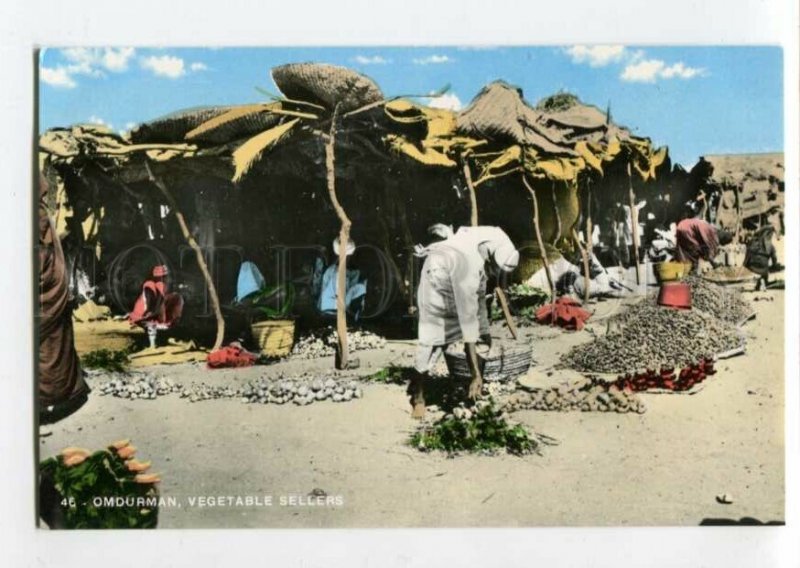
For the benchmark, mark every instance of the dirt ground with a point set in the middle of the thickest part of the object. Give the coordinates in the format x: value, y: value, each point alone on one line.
x: 664, y: 467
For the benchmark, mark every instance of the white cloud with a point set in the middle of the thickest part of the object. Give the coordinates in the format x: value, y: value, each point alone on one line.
x: 370, y: 60
x: 89, y: 61
x: 432, y: 59
x: 198, y: 66
x: 57, y: 77
x: 128, y: 127
x: 596, y: 55
x: 86, y: 61
x: 116, y: 60
x: 680, y: 70
x: 165, y: 65
x: 100, y: 122
x: 650, y: 70
x: 637, y: 67
x: 447, y: 100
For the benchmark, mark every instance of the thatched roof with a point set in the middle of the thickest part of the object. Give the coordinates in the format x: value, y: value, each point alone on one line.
x: 734, y: 169
x: 174, y: 126
x: 498, y: 134
x: 501, y: 114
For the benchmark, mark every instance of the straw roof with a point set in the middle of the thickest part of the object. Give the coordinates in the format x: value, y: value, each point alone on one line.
x: 734, y: 169
x: 500, y: 113
x: 173, y: 127
x: 499, y: 133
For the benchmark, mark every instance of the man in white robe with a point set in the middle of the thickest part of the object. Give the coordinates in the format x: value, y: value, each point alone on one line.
x: 451, y: 300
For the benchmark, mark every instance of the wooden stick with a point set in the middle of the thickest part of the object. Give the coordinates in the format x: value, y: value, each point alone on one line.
x: 212, y: 290
x: 557, y: 213
x: 473, y: 198
x: 589, y: 237
x: 542, y: 251
x: 634, y: 223
x: 585, y: 258
x: 501, y: 296
x: 344, y: 238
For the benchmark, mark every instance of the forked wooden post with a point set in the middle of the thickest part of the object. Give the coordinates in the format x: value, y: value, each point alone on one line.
x: 187, y: 234
x: 540, y: 242
x: 344, y: 238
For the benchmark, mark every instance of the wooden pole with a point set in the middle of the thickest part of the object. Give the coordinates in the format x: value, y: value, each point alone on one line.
x: 559, y: 228
x: 634, y: 223
x: 589, y: 237
x: 539, y: 240
x: 187, y: 234
x: 344, y: 238
x: 501, y: 297
x: 473, y: 198
x: 585, y: 259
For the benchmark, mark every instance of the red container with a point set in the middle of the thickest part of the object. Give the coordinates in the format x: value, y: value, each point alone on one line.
x: 675, y: 295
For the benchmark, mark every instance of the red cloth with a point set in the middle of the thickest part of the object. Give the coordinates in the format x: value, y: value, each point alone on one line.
x: 230, y: 356
x: 155, y: 305
x: 695, y: 239
x: 564, y: 312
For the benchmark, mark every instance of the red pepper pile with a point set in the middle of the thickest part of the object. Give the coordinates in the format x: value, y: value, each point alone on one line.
x: 564, y: 312
x: 666, y: 379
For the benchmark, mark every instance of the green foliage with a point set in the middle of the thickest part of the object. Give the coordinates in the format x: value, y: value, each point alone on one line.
x: 106, y: 359
x: 102, y: 475
x: 390, y: 375
x: 532, y: 294
x: 260, y: 298
x: 523, y: 300
x: 485, y: 430
x: 559, y: 101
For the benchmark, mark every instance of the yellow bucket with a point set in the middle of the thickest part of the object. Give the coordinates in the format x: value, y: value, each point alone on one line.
x: 275, y: 338
x: 671, y: 271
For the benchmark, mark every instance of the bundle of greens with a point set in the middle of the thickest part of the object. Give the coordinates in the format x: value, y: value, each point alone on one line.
x: 106, y: 360
x: 483, y: 429
x: 107, y: 489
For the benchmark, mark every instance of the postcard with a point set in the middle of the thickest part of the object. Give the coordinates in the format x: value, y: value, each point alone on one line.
x: 392, y: 287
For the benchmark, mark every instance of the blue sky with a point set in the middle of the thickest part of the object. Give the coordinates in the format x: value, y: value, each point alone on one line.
x: 696, y: 100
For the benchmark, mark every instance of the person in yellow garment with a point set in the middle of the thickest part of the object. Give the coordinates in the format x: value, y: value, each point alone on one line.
x: 451, y: 300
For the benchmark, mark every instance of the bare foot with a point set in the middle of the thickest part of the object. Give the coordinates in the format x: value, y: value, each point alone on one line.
x: 475, y: 389
x: 418, y: 412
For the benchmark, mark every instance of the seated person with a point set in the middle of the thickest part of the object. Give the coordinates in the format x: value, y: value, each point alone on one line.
x: 156, y: 308
x: 325, y: 285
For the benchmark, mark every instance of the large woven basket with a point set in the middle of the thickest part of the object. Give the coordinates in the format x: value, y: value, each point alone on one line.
x: 326, y: 85
x: 510, y: 363
x: 275, y: 338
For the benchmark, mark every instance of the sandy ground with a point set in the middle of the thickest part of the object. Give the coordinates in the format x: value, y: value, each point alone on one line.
x: 664, y: 467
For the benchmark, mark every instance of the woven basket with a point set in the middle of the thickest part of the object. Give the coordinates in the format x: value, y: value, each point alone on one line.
x: 511, y: 362
x: 326, y: 85
x: 672, y: 271
x: 274, y: 338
